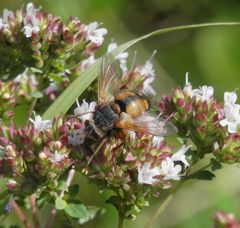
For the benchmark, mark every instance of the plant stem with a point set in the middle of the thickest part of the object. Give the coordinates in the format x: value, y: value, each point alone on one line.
x: 20, y: 214
x: 35, y: 218
x: 120, y: 220
x: 162, y: 207
x: 61, y: 194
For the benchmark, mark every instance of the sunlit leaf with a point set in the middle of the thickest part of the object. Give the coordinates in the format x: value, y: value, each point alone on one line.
x: 60, y: 204
x: 36, y: 94
x: 76, y: 210
x: 92, y: 213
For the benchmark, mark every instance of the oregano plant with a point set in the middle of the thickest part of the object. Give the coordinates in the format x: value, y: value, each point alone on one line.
x: 46, y: 138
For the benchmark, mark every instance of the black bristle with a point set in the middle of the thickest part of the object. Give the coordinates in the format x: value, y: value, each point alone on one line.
x: 150, y: 98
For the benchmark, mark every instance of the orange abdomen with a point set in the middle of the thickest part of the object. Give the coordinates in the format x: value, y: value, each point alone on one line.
x: 136, y: 107
x: 133, y: 104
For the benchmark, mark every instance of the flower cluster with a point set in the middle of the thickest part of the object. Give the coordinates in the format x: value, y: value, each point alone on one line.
x: 56, y: 52
x: 134, y: 165
x: 34, y: 156
x: 139, y: 78
x: 213, y: 127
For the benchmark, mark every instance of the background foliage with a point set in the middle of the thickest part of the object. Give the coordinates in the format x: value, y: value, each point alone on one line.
x: 210, y: 55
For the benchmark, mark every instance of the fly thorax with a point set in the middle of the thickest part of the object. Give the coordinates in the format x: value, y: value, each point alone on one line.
x: 104, y: 118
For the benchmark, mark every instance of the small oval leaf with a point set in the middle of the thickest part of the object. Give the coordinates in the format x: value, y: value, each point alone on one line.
x: 36, y: 94
x: 60, y: 204
x: 76, y: 210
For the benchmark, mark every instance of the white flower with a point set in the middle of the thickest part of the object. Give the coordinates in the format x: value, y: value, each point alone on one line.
x: 148, y: 73
x: 180, y: 155
x: 156, y: 141
x: 232, y: 118
x: 7, y: 15
x: 30, y: 9
x: 31, y: 22
x: 132, y: 135
x: 216, y: 145
x: 25, y: 76
x: 120, y: 57
x: 85, y: 110
x: 56, y: 157
x: 231, y: 112
x: 147, y: 69
x: 112, y: 46
x: 146, y: 174
x: 88, y: 62
x: 95, y: 34
x: 230, y: 98
x: 204, y: 93
x: 2, y: 24
x: 30, y: 29
x: 169, y: 170
x: 39, y: 124
x: 76, y: 137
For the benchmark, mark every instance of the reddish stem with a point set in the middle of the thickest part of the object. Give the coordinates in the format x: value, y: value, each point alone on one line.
x: 20, y: 214
x: 35, y: 218
x: 54, y: 210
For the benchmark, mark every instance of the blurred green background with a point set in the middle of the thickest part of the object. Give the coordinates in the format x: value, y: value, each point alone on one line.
x: 210, y: 55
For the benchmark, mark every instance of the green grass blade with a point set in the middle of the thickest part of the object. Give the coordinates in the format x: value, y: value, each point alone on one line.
x: 77, y: 87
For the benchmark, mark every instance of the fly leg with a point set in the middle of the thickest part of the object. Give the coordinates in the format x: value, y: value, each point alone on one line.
x: 97, y: 150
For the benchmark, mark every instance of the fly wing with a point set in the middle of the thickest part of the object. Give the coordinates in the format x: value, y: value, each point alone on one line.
x: 109, y: 80
x: 147, y: 124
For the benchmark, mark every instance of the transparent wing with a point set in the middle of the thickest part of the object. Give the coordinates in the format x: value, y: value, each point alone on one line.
x: 109, y: 80
x: 147, y: 124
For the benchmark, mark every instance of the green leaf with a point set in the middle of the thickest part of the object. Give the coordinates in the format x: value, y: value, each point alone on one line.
x: 20, y: 113
x: 36, y: 70
x: 215, y: 165
x: 73, y: 190
x: 55, y: 77
x: 203, y: 175
x: 62, y: 185
x: 60, y: 204
x: 36, y: 94
x: 76, y: 210
x: 76, y: 88
x: 92, y: 213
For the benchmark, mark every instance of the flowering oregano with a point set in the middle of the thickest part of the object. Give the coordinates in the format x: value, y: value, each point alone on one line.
x: 36, y: 155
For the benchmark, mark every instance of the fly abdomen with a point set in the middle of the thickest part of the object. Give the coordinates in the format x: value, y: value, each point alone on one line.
x: 132, y: 104
x: 126, y: 101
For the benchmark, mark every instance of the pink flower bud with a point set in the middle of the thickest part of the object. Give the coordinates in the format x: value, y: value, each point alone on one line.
x: 180, y: 102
